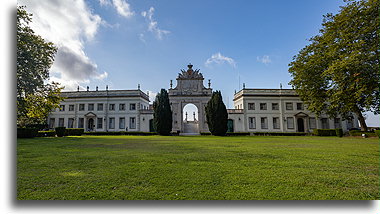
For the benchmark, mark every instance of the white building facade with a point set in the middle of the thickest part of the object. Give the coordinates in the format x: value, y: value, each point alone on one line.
x: 255, y: 110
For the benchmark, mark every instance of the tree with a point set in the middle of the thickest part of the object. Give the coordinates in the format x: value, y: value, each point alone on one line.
x: 35, y: 98
x: 338, y: 73
x: 162, y: 115
x: 216, y: 114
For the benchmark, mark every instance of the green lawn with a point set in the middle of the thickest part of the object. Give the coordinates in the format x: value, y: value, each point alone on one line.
x: 197, y: 168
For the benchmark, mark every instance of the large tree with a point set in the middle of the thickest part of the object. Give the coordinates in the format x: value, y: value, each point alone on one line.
x: 216, y: 114
x: 162, y: 113
x: 35, y: 97
x: 338, y: 72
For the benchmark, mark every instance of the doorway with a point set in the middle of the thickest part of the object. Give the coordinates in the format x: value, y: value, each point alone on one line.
x: 190, y: 118
x: 300, y: 125
x: 90, y: 125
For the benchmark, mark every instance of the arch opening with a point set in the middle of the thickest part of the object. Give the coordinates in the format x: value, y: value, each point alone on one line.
x: 190, y: 119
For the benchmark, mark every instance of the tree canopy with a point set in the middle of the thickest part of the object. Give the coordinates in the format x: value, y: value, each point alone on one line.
x: 162, y: 113
x: 338, y: 73
x: 216, y: 114
x: 35, y: 97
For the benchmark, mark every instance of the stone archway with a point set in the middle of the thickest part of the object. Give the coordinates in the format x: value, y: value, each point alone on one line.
x: 189, y: 90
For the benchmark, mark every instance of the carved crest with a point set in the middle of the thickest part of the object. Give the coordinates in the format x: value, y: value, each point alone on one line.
x: 190, y: 73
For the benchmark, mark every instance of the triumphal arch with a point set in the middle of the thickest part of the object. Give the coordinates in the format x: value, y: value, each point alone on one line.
x: 189, y: 90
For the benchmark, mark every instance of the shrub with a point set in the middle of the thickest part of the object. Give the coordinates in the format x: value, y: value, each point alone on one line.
x: 120, y: 133
x: 60, y: 131
x: 359, y: 133
x: 339, y: 132
x: 50, y: 133
x: 377, y: 132
x: 280, y: 134
x: 324, y: 132
x: 27, y: 132
x: 237, y: 133
x: 74, y: 132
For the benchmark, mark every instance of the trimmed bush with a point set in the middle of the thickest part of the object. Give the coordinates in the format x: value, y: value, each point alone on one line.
x: 27, y: 132
x: 339, y: 132
x: 120, y: 133
x: 50, y: 133
x: 74, y: 132
x: 237, y: 133
x: 324, y: 132
x: 60, y: 131
x: 280, y: 134
x: 377, y: 132
x: 359, y: 133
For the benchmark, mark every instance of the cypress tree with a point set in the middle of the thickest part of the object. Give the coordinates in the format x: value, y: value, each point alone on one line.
x: 216, y: 114
x: 162, y: 116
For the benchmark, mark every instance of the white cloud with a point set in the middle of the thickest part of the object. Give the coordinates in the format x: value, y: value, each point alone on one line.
x: 69, y: 25
x: 123, y: 8
x: 104, y: 2
x: 264, y: 59
x: 152, y: 96
x: 153, y: 25
x: 218, y: 58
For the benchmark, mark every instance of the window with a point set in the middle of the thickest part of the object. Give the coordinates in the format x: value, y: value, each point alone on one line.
x: 350, y: 124
x: 275, y: 106
x: 289, y: 106
x: 132, y: 106
x: 99, y: 123
x: 290, y: 122
x: 132, y: 122
x: 100, y: 106
x: 62, y: 108
x: 71, y: 107
x: 337, y: 123
x: 61, y: 122
x: 264, y: 123
x: 91, y: 107
x: 251, y: 106
x: 122, y: 123
x: 81, y: 107
x: 299, y: 106
x: 51, y: 123
x: 112, y: 123
x: 252, y: 122
x: 325, y: 123
x: 70, y: 123
x: 112, y: 107
x: 81, y: 123
x: 121, y: 107
x: 263, y: 106
x: 312, y: 123
x: 276, y: 123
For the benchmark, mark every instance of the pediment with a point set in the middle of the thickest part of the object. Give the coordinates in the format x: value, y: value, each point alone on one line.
x: 90, y: 114
x: 301, y: 114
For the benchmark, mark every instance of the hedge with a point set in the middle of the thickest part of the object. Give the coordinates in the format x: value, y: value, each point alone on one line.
x: 60, y: 131
x: 324, y: 132
x: 120, y: 133
x: 339, y: 132
x: 50, y: 133
x: 280, y: 134
x: 74, y: 132
x: 359, y: 133
x: 377, y: 132
x: 237, y: 133
x: 27, y: 132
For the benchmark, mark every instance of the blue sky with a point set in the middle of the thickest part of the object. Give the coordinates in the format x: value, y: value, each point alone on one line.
x: 122, y: 43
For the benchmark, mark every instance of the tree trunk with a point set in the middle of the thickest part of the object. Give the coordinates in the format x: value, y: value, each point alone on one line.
x: 361, y: 118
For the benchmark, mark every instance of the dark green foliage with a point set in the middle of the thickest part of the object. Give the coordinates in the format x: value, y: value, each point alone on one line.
x: 120, y: 133
x: 60, y: 131
x: 356, y: 133
x: 377, y: 132
x: 338, y: 73
x: 339, y: 132
x: 280, y: 134
x: 74, y: 132
x: 50, y: 133
x: 216, y: 115
x: 27, y: 132
x: 162, y: 115
x: 237, y: 133
x: 324, y: 132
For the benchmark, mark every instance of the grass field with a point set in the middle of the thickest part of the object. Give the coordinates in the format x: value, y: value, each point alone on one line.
x: 197, y: 168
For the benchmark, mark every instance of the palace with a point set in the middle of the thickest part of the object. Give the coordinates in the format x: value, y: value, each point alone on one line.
x: 255, y: 110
